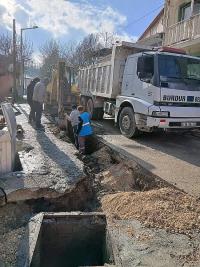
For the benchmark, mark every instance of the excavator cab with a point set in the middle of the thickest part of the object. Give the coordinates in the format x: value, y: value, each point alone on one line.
x: 62, y: 90
x: 67, y: 88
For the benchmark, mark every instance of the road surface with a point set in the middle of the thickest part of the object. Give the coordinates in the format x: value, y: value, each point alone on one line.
x: 171, y: 156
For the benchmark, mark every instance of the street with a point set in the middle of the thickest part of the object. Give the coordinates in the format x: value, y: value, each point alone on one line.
x: 174, y: 157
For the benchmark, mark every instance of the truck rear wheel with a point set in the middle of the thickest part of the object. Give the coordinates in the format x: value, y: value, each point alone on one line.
x: 90, y: 107
x: 96, y: 113
x: 127, y: 123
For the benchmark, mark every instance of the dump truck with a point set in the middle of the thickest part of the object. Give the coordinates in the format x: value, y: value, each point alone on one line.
x: 144, y: 89
x: 62, y: 91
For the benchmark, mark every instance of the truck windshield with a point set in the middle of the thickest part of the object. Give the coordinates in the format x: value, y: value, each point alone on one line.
x: 179, y: 69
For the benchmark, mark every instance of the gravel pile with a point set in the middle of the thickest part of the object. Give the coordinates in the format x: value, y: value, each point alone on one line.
x: 165, y: 208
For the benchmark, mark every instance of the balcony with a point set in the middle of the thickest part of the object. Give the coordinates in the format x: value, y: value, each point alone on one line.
x: 186, y: 30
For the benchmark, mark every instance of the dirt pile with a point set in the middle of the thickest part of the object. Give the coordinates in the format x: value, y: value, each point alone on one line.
x: 119, y: 177
x: 161, y: 208
x: 103, y: 157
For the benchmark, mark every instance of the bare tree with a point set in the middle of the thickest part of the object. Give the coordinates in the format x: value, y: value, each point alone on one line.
x: 50, y: 53
x: 107, y: 39
x: 82, y: 54
x: 5, y: 44
x: 6, y: 47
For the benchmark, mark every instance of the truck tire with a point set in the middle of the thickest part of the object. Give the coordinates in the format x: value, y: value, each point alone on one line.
x: 90, y: 107
x: 127, y: 123
x: 100, y: 113
x: 96, y: 113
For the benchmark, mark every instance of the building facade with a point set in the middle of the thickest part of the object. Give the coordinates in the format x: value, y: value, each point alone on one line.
x: 153, y: 35
x: 182, y: 25
x: 177, y: 25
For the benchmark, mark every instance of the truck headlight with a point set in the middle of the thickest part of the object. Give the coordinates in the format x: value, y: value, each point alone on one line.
x: 161, y: 114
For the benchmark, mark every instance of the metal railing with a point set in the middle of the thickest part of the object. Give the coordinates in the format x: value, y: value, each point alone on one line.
x: 183, y: 31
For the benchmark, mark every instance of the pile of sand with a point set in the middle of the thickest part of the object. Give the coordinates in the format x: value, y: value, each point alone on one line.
x: 161, y: 208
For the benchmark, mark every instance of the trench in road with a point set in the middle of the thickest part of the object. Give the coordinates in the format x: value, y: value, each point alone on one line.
x: 107, y: 173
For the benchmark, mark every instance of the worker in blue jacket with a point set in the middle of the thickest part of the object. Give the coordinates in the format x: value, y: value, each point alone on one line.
x: 84, y: 128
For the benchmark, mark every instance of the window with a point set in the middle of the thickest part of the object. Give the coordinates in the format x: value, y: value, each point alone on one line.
x: 169, y: 66
x: 146, y: 64
x: 185, y: 11
x: 193, y: 69
x: 178, y: 69
x: 196, y: 9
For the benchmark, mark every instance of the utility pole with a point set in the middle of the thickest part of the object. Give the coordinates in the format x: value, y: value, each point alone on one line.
x: 192, y: 7
x: 22, y: 57
x: 106, y: 43
x: 22, y: 64
x: 14, y: 62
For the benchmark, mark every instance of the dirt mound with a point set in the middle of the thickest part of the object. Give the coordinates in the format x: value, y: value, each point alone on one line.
x: 104, y: 158
x: 162, y: 208
x: 118, y: 177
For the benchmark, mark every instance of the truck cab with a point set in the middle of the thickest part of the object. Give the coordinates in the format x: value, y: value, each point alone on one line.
x: 160, y: 89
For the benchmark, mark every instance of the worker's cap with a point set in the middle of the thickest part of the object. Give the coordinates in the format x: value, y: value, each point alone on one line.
x: 74, y: 106
x: 6, y: 65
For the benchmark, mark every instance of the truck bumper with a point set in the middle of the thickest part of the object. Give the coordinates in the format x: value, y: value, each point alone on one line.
x: 173, y: 123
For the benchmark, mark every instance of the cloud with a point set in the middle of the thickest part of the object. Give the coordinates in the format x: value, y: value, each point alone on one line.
x: 10, y: 9
x: 126, y: 37
x: 60, y: 17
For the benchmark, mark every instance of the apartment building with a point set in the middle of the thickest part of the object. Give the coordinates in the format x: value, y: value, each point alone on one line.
x: 177, y: 25
x: 182, y: 25
x: 153, y: 35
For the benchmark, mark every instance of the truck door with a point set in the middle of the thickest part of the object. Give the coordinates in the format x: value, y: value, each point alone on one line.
x: 147, y: 72
x: 130, y: 85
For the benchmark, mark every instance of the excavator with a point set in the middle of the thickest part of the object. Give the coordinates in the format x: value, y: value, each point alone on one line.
x: 62, y: 91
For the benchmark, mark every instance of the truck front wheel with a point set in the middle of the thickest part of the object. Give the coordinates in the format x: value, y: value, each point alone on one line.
x: 127, y: 123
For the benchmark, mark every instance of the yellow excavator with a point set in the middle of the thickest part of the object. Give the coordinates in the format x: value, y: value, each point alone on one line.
x: 62, y: 91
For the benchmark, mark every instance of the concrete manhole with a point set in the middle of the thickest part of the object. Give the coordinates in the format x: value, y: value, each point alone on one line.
x: 71, y: 239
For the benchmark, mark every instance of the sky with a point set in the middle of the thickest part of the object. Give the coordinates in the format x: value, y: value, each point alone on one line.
x: 71, y: 20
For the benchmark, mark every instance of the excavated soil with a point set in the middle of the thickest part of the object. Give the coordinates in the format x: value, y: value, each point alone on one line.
x: 161, y: 208
x: 13, y: 226
x: 119, y: 177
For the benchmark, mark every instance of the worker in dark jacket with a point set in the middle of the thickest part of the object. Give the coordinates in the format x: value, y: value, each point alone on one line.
x: 30, y: 90
x: 84, y: 129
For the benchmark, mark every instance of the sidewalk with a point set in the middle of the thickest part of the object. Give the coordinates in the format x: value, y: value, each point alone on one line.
x: 50, y: 167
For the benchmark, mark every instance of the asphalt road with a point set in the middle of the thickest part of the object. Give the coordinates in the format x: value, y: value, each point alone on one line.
x: 174, y: 157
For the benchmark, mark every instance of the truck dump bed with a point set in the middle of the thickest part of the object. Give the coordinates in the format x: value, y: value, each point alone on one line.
x: 104, y: 78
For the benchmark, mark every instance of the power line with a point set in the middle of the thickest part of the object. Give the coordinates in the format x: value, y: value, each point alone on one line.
x: 144, y: 16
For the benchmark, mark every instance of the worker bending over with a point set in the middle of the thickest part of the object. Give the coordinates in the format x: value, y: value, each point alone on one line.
x: 84, y: 128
